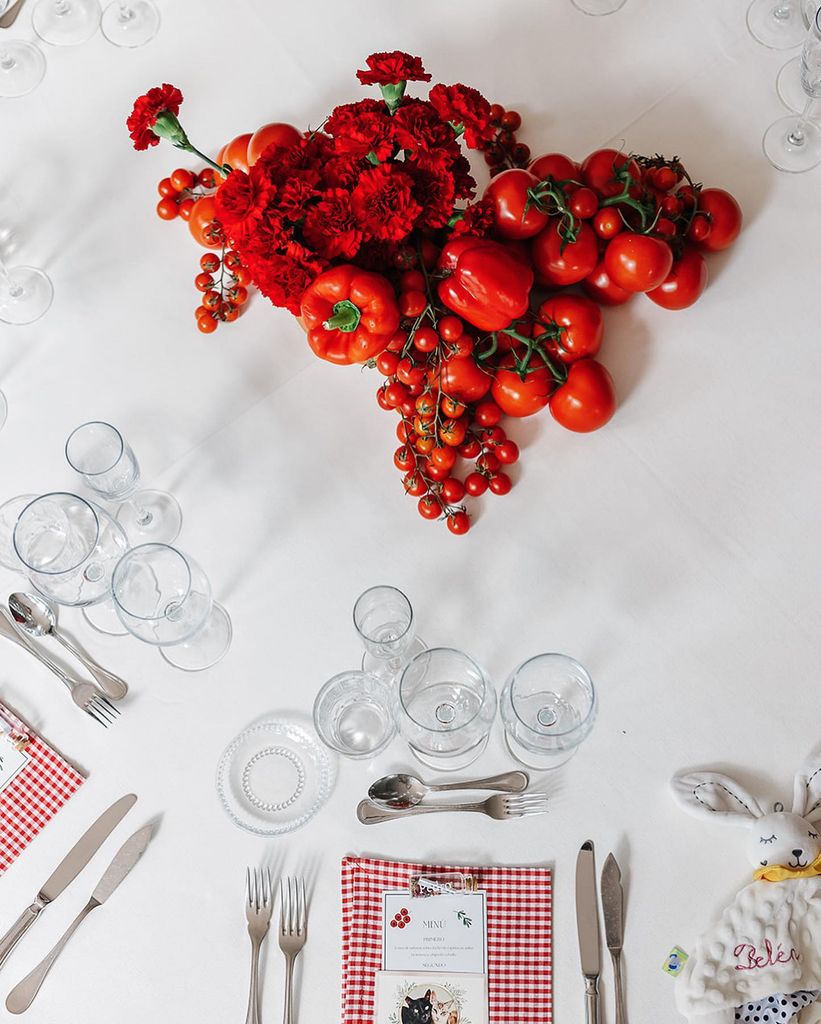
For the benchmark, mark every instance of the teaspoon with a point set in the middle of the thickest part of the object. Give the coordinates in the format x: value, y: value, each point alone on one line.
x: 403, y: 791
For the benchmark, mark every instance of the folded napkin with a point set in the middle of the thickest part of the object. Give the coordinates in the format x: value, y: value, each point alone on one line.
x: 519, y: 923
x: 41, y: 783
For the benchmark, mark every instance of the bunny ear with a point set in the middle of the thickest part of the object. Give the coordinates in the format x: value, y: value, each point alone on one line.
x: 715, y: 796
x: 807, y: 800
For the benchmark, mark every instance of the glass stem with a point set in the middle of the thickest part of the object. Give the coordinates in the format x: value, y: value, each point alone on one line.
x: 14, y: 289
x: 797, y: 135
x: 7, y: 62
x: 126, y: 13
x: 782, y: 12
x: 143, y: 516
x: 62, y: 6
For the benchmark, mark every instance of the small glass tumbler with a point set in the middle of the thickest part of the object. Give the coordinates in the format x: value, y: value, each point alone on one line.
x: 384, y: 620
x: 446, y: 708
x: 548, y: 707
x: 353, y: 714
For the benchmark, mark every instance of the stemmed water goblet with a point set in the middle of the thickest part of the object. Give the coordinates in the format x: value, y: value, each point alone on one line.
x: 794, y: 143
x: 384, y: 620
x: 98, y: 452
x: 4, y: 409
x: 66, y: 22
x: 164, y: 598
x: 599, y: 7
x: 130, y: 22
x: 788, y: 84
x: 22, y: 67
x: 25, y: 292
x: 777, y: 24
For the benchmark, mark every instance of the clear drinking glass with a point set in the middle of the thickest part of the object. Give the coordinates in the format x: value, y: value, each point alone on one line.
x: 599, y: 7
x: 776, y: 23
x: 66, y: 22
x: 69, y: 548
x: 9, y: 514
x: 130, y: 22
x: 22, y: 67
x: 548, y: 706
x: 384, y: 620
x: 788, y: 84
x: 4, y: 410
x: 98, y: 452
x: 164, y: 598
x: 353, y: 714
x: 794, y: 143
x: 446, y: 708
x: 25, y: 292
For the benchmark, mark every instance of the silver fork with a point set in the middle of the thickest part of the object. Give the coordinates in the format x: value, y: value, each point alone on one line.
x: 259, y: 906
x: 501, y: 806
x: 293, y: 931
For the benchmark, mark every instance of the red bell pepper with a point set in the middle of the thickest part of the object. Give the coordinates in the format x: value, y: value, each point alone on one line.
x: 485, y: 283
x: 350, y: 314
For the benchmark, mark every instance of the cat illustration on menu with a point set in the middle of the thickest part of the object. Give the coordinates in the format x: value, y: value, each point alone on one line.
x: 418, y: 1011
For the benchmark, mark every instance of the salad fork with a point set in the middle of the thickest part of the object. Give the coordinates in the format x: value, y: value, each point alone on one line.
x: 293, y: 932
x: 259, y: 905
x: 501, y: 806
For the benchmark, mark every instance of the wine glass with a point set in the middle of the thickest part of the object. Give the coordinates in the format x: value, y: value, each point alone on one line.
x: 4, y: 409
x: 130, y: 22
x: 22, y: 66
x: 164, y: 598
x: 788, y: 83
x: 66, y: 22
x: 794, y: 143
x: 445, y: 709
x: 98, y: 452
x: 384, y: 620
x: 548, y: 707
x: 599, y: 7
x: 9, y: 514
x: 25, y: 293
x: 776, y: 23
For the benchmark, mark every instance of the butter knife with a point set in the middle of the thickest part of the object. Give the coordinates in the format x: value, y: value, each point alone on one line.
x: 67, y: 870
x: 22, y: 995
x: 612, y: 899
x: 587, y: 922
x: 10, y: 16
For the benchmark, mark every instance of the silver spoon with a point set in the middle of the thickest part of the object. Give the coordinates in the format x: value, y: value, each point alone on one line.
x: 403, y: 791
x: 37, y: 618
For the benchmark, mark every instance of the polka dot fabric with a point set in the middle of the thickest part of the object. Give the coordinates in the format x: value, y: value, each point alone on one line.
x: 777, y: 1009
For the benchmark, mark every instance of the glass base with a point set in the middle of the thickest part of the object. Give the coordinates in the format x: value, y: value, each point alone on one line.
x: 66, y: 22
x: 104, y: 618
x: 789, y: 88
x: 206, y: 647
x: 389, y: 671
x: 25, y: 295
x: 778, y: 25
x: 130, y: 24
x: 454, y: 763
x: 150, y: 517
x: 542, y: 761
x: 790, y: 152
x: 599, y: 7
x: 22, y: 67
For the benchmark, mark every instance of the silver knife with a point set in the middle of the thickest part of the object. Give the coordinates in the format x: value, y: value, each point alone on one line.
x: 67, y: 870
x: 587, y: 921
x: 22, y: 995
x: 612, y: 900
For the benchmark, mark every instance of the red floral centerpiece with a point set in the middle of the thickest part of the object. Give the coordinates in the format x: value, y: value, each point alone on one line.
x: 369, y: 230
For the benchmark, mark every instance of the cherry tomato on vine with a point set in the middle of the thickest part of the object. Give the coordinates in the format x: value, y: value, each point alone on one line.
x: 724, y: 216
x: 517, y: 397
x: 444, y: 457
x: 583, y: 203
x: 514, y: 215
x: 182, y: 179
x: 434, y: 472
x: 487, y: 414
x: 167, y: 208
x: 381, y: 401
x: 470, y: 449
x: 212, y: 300
x: 582, y: 326
x: 601, y: 169
x: 460, y: 348
x: 561, y: 263
x: 404, y: 459
x: 685, y: 282
x: 204, y: 226
x: 206, y: 323
x: 408, y: 373
x: 507, y: 453
x: 451, y: 408
x: 607, y: 223
x: 166, y: 188
x: 699, y: 229
x: 386, y: 363
x: 429, y: 507
x: 426, y: 405
x: 458, y: 523
x: 202, y: 282
x: 464, y: 379
x: 500, y: 483
x: 450, y: 327
x: 487, y: 463
x: 207, y: 178
x: 511, y: 120
x: 412, y: 303
x: 424, y: 445
x: 414, y: 484
x: 452, y: 432
x: 453, y: 490
x: 396, y: 394
x: 587, y: 399
x: 425, y: 339
x: 184, y: 208
x: 637, y: 263
x: 475, y: 484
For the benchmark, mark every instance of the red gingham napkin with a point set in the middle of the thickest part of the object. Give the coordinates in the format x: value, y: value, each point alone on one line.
x: 34, y: 795
x: 519, y: 921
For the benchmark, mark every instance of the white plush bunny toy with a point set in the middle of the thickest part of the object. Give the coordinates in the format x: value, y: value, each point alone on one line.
x: 760, y: 963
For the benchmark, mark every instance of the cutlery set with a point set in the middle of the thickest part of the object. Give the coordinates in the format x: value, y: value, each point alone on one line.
x: 23, y: 994
x: 587, y: 921
x: 293, y: 932
x: 30, y: 618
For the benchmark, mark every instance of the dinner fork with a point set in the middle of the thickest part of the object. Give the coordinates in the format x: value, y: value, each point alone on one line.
x: 259, y: 906
x: 501, y: 806
x: 293, y: 931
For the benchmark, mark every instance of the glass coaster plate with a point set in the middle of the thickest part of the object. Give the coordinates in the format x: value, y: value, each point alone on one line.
x: 274, y: 776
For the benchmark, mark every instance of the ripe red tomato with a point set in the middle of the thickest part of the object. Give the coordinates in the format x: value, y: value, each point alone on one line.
x: 450, y: 327
x: 684, y: 284
x: 558, y: 266
x: 453, y: 490
x: 599, y: 171
x: 601, y: 289
x: 583, y: 203
x: 452, y: 432
x: 429, y: 507
x: 203, y: 224
x: 487, y: 413
x: 500, y: 483
x: 276, y: 134
x: 458, y: 523
x: 582, y: 322
x: 725, y: 218
x: 475, y: 484
x: 182, y: 179
x: 508, y: 192
x: 464, y: 379
x: 166, y: 188
x: 637, y: 263
x: 587, y: 399
x: 167, y: 208
x: 518, y: 397
x: 556, y: 165
x: 607, y: 223
x: 235, y: 154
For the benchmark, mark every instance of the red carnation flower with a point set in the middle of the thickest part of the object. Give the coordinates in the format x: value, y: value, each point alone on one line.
x: 361, y: 128
x: 383, y: 203
x: 418, y: 129
x: 241, y: 201
x: 464, y: 183
x: 147, y: 108
x: 282, y: 280
x: 433, y: 190
x: 392, y: 68
x: 477, y: 220
x: 343, y: 172
x: 466, y: 109
x: 293, y: 198
x: 330, y: 226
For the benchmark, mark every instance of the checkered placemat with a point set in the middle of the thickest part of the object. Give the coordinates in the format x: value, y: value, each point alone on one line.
x: 35, y: 794
x: 519, y: 924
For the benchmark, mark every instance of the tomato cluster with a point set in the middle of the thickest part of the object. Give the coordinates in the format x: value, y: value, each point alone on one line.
x: 223, y: 296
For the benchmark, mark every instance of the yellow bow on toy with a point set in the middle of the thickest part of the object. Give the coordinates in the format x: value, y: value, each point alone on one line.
x: 779, y: 872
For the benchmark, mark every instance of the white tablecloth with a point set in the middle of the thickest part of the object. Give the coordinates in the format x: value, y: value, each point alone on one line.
x: 675, y: 553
